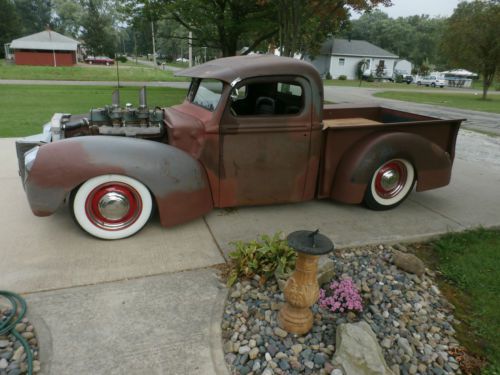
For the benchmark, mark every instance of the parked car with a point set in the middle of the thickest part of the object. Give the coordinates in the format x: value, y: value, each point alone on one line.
x: 99, y: 60
x: 407, y: 78
x: 432, y: 81
x: 252, y: 130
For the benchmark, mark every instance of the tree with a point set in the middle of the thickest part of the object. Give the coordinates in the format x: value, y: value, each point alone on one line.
x: 34, y: 15
x: 97, y: 28
x: 305, y: 24
x: 415, y: 38
x: 228, y: 25
x: 224, y: 24
x: 68, y: 17
x: 471, y: 39
x: 9, y: 24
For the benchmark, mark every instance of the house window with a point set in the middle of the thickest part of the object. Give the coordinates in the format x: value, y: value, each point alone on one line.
x: 341, y: 61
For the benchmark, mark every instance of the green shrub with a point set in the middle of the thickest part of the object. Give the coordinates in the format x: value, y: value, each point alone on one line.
x: 261, y: 257
x: 342, y: 77
x: 328, y: 75
x: 122, y: 59
x: 370, y: 78
x: 399, y: 78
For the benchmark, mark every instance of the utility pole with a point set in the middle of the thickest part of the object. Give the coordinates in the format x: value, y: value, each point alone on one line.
x: 190, y: 42
x: 154, y: 47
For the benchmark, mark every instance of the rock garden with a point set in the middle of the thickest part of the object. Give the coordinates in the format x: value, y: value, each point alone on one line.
x: 379, y: 312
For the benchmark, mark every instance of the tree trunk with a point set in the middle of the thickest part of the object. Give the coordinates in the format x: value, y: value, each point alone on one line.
x: 488, y: 75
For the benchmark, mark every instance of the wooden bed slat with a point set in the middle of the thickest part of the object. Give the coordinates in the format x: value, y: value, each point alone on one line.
x: 352, y: 121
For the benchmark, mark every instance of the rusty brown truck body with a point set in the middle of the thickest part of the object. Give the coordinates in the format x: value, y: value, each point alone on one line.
x: 251, y: 131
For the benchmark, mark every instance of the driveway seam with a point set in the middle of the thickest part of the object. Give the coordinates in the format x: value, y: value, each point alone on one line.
x: 215, y: 240
x: 439, y: 213
x: 210, y: 267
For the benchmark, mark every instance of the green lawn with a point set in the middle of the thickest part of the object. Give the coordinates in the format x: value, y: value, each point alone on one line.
x: 26, y: 108
x: 128, y: 72
x: 463, y: 101
x: 470, y: 265
x: 373, y: 85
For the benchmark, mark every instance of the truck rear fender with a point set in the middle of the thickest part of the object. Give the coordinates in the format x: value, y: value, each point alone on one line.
x: 432, y: 164
x: 176, y: 180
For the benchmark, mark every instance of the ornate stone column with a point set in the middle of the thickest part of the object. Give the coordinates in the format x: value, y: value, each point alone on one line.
x: 302, y: 289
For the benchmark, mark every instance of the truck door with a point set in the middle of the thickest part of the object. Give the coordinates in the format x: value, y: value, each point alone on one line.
x: 264, y: 142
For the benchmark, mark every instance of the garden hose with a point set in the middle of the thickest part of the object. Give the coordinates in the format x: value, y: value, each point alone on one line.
x: 8, y: 325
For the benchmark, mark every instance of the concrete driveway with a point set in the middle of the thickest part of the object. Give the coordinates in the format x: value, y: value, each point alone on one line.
x: 53, y: 253
x: 152, y: 303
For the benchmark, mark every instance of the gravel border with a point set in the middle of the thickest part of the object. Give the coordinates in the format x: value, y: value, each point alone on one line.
x: 12, y: 355
x: 411, y: 319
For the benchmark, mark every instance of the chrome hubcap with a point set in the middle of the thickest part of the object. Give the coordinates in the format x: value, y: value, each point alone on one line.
x: 389, y: 179
x: 113, y: 206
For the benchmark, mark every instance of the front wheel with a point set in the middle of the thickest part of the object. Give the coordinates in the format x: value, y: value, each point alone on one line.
x: 390, y: 184
x: 112, y: 206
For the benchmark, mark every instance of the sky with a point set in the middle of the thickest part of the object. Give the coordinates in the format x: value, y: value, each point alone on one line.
x: 404, y: 8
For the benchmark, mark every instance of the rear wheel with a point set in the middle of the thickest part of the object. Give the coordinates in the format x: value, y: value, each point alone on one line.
x: 112, y: 206
x: 390, y: 184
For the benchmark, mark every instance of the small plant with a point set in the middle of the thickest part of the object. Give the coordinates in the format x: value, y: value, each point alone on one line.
x: 344, y: 296
x: 342, y: 77
x: 328, y: 75
x: 262, y: 258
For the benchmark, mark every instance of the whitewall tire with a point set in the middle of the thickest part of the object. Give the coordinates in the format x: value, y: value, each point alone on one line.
x: 390, y: 184
x: 112, y: 206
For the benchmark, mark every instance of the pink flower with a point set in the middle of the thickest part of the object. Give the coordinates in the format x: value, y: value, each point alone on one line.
x: 344, y: 296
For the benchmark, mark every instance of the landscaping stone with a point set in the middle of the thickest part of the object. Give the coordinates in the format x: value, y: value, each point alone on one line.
x: 326, y: 270
x: 408, y: 262
x: 358, y: 351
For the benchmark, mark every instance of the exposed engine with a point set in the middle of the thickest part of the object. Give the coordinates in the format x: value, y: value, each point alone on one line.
x: 140, y: 122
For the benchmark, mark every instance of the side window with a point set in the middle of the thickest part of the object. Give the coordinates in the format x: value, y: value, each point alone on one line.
x: 341, y: 61
x: 206, y: 93
x: 268, y: 99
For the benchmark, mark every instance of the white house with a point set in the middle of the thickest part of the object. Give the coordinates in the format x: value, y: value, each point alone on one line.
x: 342, y: 56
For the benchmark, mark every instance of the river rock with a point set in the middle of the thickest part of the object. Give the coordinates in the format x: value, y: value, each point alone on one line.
x: 408, y: 262
x: 358, y: 351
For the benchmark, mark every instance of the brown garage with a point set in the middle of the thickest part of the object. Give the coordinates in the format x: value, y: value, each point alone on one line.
x: 46, y: 48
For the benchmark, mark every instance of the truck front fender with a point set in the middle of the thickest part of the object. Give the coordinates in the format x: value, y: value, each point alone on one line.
x: 432, y: 164
x: 176, y: 180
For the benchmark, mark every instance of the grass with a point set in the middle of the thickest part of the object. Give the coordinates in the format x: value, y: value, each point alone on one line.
x: 462, y: 101
x: 470, y: 265
x: 374, y: 85
x: 26, y: 108
x: 128, y: 72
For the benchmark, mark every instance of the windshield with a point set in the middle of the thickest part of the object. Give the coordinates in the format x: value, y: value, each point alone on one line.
x: 206, y: 93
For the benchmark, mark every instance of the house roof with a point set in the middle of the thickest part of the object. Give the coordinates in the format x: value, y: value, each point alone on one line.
x: 45, y: 40
x: 334, y: 46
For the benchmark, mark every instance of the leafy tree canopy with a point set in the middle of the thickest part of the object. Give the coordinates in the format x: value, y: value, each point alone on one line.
x: 415, y: 38
x: 229, y: 25
x: 34, y: 15
x: 10, y: 27
x: 471, y: 39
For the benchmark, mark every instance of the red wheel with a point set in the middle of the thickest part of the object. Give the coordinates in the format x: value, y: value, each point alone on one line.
x: 112, y: 206
x: 390, y: 184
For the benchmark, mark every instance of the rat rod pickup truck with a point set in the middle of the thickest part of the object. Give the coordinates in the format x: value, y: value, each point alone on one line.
x: 252, y: 130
